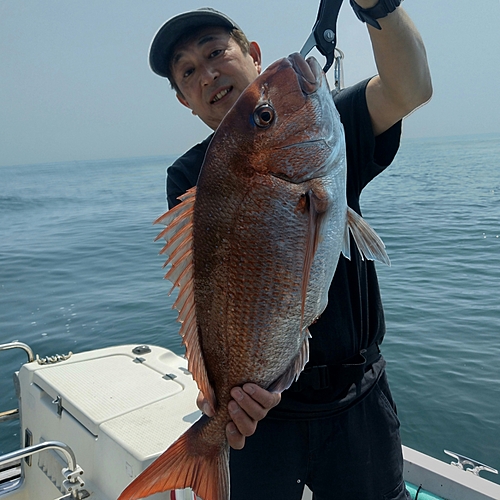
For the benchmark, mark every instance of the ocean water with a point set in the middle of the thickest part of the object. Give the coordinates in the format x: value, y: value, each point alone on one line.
x: 79, y: 270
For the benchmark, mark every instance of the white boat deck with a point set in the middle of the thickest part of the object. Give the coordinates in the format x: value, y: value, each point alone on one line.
x: 118, y: 410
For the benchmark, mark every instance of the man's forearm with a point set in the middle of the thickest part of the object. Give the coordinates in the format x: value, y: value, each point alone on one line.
x: 403, y: 82
x: 401, y: 60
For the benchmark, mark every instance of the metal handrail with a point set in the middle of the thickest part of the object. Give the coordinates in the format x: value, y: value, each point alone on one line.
x: 73, y: 483
x: 37, y: 448
x: 8, y: 415
x: 19, y: 345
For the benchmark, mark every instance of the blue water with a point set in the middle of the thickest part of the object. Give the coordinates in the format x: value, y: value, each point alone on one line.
x: 79, y: 270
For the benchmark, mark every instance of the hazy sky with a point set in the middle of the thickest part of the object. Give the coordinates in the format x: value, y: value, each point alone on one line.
x: 75, y: 82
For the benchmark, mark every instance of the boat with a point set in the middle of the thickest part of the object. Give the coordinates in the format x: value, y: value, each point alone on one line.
x: 92, y: 421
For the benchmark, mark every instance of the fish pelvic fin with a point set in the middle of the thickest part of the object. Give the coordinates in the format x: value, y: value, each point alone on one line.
x: 296, y: 366
x: 369, y: 244
x: 178, y: 235
x: 188, y: 463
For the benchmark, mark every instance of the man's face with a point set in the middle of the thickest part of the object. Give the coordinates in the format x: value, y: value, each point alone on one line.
x: 211, y: 71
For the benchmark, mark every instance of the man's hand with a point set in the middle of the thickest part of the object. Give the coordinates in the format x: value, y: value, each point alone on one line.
x: 250, y: 404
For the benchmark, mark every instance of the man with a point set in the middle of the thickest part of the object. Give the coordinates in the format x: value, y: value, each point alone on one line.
x: 336, y: 429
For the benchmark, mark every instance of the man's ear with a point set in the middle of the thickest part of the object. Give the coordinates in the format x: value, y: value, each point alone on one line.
x: 254, y: 51
x: 183, y: 101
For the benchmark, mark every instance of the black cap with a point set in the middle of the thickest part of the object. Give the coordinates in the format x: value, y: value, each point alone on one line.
x: 177, y: 26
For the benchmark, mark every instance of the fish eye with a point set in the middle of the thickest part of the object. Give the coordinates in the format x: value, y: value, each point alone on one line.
x: 263, y: 115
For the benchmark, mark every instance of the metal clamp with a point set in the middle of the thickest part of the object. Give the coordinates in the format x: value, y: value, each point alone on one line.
x: 73, y: 482
x: 338, y: 70
x: 77, y: 495
x: 475, y: 467
x: 324, y: 32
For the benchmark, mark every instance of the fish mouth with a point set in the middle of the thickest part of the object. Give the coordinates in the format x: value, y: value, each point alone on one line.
x: 309, y: 72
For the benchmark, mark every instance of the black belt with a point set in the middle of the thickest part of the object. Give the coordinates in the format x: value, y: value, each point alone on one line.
x: 342, y: 375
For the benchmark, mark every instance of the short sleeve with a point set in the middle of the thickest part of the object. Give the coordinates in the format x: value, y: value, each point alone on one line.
x: 183, y: 173
x: 367, y: 155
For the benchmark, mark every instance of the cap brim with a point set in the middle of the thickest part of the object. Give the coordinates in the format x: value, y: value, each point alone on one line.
x: 168, y: 35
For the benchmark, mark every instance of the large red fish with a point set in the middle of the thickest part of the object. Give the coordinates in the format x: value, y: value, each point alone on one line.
x: 253, y: 249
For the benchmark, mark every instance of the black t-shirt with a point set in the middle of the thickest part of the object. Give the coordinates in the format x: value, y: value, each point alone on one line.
x: 354, y: 317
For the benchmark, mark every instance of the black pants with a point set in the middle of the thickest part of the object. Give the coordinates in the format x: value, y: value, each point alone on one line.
x: 355, y: 455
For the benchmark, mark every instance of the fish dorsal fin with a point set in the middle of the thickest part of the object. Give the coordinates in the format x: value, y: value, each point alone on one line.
x: 367, y: 240
x: 294, y: 369
x: 179, y: 249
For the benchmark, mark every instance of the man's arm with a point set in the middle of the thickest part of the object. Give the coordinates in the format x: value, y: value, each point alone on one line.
x: 404, y: 82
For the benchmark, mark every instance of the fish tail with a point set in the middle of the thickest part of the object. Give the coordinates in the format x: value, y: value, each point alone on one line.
x: 188, y: 462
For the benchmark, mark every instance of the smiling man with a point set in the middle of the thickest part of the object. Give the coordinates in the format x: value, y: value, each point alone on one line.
x: 336, y: 429
x: 211, y: 70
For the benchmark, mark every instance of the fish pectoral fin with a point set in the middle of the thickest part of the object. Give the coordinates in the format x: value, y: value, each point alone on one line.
x: 312, y: 240
x: 346, y: 243
x: 179, y: 248
x: 294, y: 369
x: 188, y: 462
x: 368, y: 242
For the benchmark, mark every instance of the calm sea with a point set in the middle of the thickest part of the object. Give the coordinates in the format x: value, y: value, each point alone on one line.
x: 79, y: 270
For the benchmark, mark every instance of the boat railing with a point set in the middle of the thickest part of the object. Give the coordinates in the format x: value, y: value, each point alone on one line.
x: 10, y: 463
x: 19, y: 345
x: 14, y: 413
x: 73, y: 482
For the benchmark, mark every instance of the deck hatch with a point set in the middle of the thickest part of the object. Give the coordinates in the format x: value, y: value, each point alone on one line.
x: 97, y: 390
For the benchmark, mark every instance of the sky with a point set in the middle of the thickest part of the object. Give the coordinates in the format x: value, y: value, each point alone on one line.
x: 75, y: 82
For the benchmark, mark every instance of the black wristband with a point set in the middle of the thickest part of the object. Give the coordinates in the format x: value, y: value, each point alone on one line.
x: 381, y: 9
